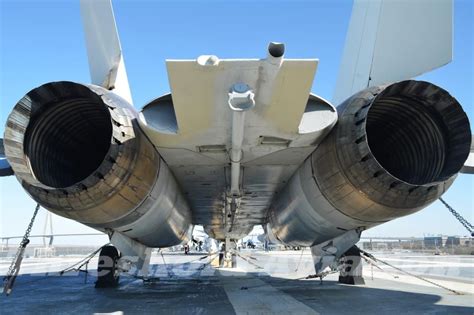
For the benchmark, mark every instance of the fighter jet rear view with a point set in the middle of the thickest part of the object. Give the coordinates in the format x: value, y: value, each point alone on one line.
x: 243, y: 142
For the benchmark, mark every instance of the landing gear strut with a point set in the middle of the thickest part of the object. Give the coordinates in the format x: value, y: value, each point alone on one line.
x: 227, y: 255
x: 107, y: 271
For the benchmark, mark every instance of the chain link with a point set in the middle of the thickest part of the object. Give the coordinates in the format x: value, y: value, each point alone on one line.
x: 459, y: 217
x: 15, y: 266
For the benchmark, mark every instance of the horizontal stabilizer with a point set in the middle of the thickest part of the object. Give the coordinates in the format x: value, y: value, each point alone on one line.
x: 5, y: 168
x: 468, y: 167
x: 104, y: 52
x: 391, y: 41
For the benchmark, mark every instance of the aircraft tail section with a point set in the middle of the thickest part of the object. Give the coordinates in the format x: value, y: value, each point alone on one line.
x: 104, y: 52
x: 391, y: 41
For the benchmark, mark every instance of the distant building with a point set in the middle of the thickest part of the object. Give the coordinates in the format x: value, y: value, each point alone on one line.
x: 466, y: 241
x: 453, y: 241
x: 434, y: 241
x: 447, y: 241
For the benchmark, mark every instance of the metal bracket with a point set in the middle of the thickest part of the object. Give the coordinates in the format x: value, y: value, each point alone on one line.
x: 133, y: 253
x: 328, y: 253
x: 241, y: 99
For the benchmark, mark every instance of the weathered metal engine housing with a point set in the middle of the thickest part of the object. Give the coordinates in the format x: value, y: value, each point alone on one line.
x: 79, y: 152
x: 394, y: 150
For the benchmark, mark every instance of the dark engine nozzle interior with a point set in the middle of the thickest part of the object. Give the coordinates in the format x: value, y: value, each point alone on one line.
x: 417, y: 132
x: 394, y: 150
x: 67, y: 142
x: 400, y: 146
x: 75, y: 147
x: 79, y: 152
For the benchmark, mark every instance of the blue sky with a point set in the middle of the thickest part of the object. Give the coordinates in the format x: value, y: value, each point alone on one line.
x: 42, y: 41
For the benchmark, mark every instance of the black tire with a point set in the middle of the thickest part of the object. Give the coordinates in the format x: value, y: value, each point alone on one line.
x: 107, y: 272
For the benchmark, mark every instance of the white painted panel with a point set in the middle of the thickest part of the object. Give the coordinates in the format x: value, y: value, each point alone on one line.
x: 354, y: 70
x: 413, y: 37
x: 106, y: 63
x: 390, y: 41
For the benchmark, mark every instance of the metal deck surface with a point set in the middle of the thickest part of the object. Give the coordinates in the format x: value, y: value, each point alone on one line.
x: 269, y: 284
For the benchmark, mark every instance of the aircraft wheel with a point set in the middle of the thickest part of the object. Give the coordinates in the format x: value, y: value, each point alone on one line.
x: 107, y: 271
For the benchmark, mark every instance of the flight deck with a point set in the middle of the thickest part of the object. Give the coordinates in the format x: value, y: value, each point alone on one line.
x: 263, y: 283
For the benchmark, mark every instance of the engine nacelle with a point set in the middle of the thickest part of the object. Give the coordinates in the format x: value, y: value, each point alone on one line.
x: 394, y: 150
x: 78, y: 151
